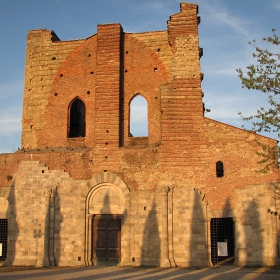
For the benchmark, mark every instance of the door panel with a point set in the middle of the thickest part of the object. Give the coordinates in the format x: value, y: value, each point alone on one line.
x: 106, y: 240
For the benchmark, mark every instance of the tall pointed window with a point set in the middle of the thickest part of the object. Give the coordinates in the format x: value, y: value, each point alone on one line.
x: 77, y: 124
x: 138, y: 117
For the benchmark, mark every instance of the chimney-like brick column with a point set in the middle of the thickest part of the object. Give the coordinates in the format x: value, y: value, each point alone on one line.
x: 181, y: 100
x: 108, y: 94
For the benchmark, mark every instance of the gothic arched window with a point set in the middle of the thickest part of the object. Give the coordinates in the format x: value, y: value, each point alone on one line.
x: 76, y: 122
x: 138, y: 117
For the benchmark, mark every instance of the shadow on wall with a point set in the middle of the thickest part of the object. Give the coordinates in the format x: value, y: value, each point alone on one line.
x: 151, y: 253
x: 198, y: 234
x: 13, y: 229
x: 57, y: 220
x: 253, y: 235
x: 275, y: 211
x: 250, y: 243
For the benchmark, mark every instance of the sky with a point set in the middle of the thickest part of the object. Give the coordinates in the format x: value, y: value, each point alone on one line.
x: 226, y: 28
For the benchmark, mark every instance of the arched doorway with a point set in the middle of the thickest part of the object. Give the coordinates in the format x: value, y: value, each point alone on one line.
x: 105, y: 207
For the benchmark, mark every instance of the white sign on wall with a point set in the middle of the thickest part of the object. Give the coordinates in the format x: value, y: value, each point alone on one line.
x: 222, y: 249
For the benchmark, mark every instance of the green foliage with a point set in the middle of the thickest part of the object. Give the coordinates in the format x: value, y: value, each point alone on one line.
x: 264, y: 76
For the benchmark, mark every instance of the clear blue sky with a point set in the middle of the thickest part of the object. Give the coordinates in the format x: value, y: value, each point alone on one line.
x: 225, y: 29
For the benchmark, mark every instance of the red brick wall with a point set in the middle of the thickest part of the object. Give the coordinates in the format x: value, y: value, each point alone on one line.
x: 106, y: 71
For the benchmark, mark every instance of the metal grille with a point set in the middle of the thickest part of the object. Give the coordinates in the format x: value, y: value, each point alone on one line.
x: 3, y: 239
x: 222, y: 230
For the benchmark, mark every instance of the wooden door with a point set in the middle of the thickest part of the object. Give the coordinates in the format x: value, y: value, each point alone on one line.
x: 106, y: 240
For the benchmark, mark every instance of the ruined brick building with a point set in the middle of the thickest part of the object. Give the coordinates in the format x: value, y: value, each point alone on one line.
x: 83, y: 190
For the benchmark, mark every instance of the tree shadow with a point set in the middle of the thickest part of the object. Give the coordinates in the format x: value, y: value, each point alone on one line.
x: 254, y: 235
x: 250, y: 245
x: 55, y: 239
x: 274, y: 210
x: 48, y: 238
x: 13, y: 229
x: 151, y: 251
x: 198, y: 234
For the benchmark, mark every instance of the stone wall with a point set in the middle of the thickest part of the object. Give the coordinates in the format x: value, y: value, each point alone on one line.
x: 257, y: 225
x: 164, y: 188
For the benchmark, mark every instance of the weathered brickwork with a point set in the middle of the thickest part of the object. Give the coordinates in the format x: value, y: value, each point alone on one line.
x: 104, y: 195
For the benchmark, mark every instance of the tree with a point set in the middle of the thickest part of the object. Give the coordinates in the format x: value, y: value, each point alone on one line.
x: 264, y: 76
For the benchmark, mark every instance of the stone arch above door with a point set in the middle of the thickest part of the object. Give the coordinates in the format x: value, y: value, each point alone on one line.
x: 106, y: 195
x: 105, y: 199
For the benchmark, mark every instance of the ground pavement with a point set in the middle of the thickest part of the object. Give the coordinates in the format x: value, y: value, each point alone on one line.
x: 116, y: 272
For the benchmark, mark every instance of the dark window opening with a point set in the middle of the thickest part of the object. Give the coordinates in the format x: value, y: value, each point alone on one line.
x: 3, y: 239
x: 222, y: 240
x: 219, y: 169
x: 138, y: 117
x: 77, y: 124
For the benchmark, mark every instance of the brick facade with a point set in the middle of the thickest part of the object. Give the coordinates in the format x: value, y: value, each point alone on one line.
x: 163, y: 188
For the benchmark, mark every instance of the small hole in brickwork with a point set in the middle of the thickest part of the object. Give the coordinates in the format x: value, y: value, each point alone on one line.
x: 133, y: 259
x: 61, y: 75
x: 91, y: 73
x: 125, y: 71
x: 54, y: 58
x: 155, y: 69
x: 106, y: 156
x: 126, y: 52
x: 106, y: 143
x: 88, y: 92
x: 79, y: 259
x: 55, y: 94
x: 158, y: 49
x: 31, y: 126
x: 145, y: 208
x: 105, y: 170
x: 43, y: 171
x: 89, y: 55
x: 156, y: 97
